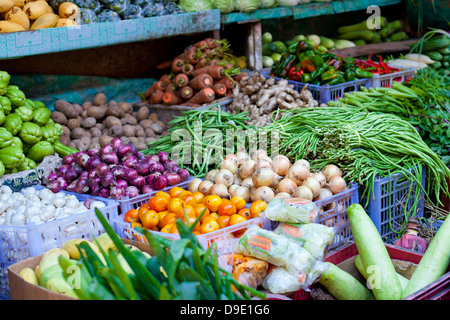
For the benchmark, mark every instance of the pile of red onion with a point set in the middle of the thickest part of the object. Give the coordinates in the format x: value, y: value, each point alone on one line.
x: 115, y: 171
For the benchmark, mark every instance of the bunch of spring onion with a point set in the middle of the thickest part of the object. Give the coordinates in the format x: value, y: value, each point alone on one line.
x: 199, y: 139
x: 365, y: 145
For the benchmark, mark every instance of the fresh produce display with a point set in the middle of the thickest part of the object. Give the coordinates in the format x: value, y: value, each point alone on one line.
x: 163, y: 209
x: 379, y: 68
x: 95, y: 123
x: 115, y: 171
x: 203, y: 73
x: 262, y: 98
x: 305, y: 64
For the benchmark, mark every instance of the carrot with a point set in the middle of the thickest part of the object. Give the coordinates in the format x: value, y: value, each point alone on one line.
x: 239, y: 77
x: 219, y: 89
x: 201, y: 44
x: 216, y: 72
x: 164, y: 65
x: 203, y: 96
x: 181, y: 80
x: 212, y: 43
x: 165, y: 78
x: 229, y: 66
x: 292, y: 231
x: 188, y: 69
x: 193, y: 57
x: 171, y: 98
x: 157, y: 97
x: 260, y: 242
x: 185, y: 92
x: 213, y: 62
x: 201, y: 81
x: 177, y: 65
x: 229, y: 84
x: 171, y: 88
x: 160, y: 85
x: 203, y: 62
x: 150, y: 91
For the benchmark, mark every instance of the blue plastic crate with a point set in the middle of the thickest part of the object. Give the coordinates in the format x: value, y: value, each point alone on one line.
x: 387, y: 204
x: 326, y: 93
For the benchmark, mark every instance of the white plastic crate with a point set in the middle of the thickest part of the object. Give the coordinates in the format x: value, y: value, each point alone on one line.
x: 386, y: 80
x: 21, y: 242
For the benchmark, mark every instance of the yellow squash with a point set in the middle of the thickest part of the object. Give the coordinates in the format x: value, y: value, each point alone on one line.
x: 35, y: 9
x: 18, y: 16
x: 6, y: 5
x: 47, y: 20
x: 8, y: 26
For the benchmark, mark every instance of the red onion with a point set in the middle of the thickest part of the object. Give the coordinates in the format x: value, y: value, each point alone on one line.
x: 53, y: 185
x: 52, y: 176
x: 176, y: 169
x: 83, y: 159
x: 138, y: 181
x: 93, y: 152
x: 131, y: 191
x: 143, y: 168
x: 106, y: 149
x: 119, y: 171
x: 63, y: 169
x: 71, y: 175
x: 110, y: 158
x: 156, y: 167
x: 163, y: 156
x: 116, y: 143
x: 125, y: 150
x: 159, y: 182
x: 184, y: 174
x: 121, y: 183
x: 107, y: 179
x: 87, y: 202
x: 84, y: 175
x: 63, y: 184
x: 129, y: 161
x: 78, y: 168
x: 117, y: 193
x: 152, y: 157
x: 168, y: 165
x: 71, y: 186
x: 92, y: 182
x: 130, y: 174
x: 104, y: 192
x: 140, y: 156
x: 147, y: 189
x: 92, y: 174
x: 81, y: 186
x: 172, y: 179
x: 69, y: 159
x: 93, y: 162
x: 102, y: 168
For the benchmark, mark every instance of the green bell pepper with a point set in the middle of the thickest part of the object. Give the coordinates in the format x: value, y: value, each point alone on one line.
x: 30, y: 133
x: 52, y: 132
x: 5, y: 105
x: 40, y: 150
x: 13, y: 123
x: 41, y: 116
x: 363, y: 74
x: 17, y: 142
x: 5, y: 77
x: 329, y: 75
x: 350, y: 73
x: 6, y: 138
x: 306, y: 78
x: 12, y: 157
x: 2, y: 169
x: 25, y: 113
x: 338, y: 80
x: 16, y: 96
x: 27, y: 164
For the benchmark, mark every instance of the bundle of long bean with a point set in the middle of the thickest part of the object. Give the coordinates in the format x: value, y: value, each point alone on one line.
x: 199, y: 139
x: 365, y: 145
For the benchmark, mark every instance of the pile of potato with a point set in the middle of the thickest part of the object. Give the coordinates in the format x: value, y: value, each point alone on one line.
x: 21, y: 15
x: 95, y: 123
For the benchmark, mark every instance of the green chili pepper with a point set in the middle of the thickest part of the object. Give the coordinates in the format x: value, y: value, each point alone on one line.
x: 30, y: 133
x: 40, y: 150
x: 306, y: 78
x: 338, y: 80
x: 25, y: 113
x: 287, y: 65
x: 362, y: 74
x: 63, y: 150
x: 5, y: 105
x: 12, y: 157
x: 302, y: 56
x: 41, y: 116
x: 303, y: 46
x: 329, y: 75
x: 13, y: 123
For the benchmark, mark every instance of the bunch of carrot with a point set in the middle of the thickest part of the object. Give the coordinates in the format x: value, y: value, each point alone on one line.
x: 199, y: 75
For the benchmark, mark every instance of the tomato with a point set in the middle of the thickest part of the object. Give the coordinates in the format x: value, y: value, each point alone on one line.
x: 169, y: 218
x: 143, y: 208
x: 238, y: 202
x: 245, y: 213
x: 189, y: 210
x: 174, y: 229
x: 214, y: 215
x: 198, y: 197
x: 175, y: 206
x: 136, y: 224
x: 166, y: 228
x: 256, y: 207
x: 196, y: 232
x: 235, y: 219
x: 223, y: 221
x: 209, y: 226
x: 191, y: 222
x: 161, y: 214
x: 189, y: 199
x: 131, y: 215
x: 158, y: 203
x: 150, y: 219
x: 163, y: 194
x: 227, y: 208
x: 184, y: 193
x: 212, y: 202
x: 198, y: 208
x: 174, y: 192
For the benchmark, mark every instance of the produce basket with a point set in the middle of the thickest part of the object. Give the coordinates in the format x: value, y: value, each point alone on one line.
x: 325, y: 93
x: 22, y: 242
x: 385, y: 80
x: 388, y: 202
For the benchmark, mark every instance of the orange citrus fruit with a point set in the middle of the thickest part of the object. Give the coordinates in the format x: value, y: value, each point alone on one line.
x: 163, y: 194
x: 169, y: 218
x: 223, y: 221
x: 245, y: 213
x: 235, y: 219
x: 174, y: 192
x: 198, y: 197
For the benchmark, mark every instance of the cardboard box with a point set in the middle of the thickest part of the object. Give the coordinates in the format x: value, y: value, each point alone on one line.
x: 21, y: 289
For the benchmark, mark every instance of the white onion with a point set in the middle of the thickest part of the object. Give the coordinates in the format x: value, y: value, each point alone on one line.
x: 205, y: 186
x: 263, y: 177
x: 220, y: 190
x: 242, y: 156
x: 312, y: 184
x: 224, y: 176
x: 258, y: 154
x: 303, y: 162
x: 303, y: 192
x: 331, y: 171
x: 246, y: 169
x: 263, y: 163
x: 276, y: 181
x: 319, y: 177
x: 231, y: 156
x: 232, y: 188
x: 211, y: 174
x: 298, y: 173
x: 248, y: 183
x: 323, y: 194
x: 237, y: 179
x: 287, y: 186
x: 284, y: 195
x: 229, y: 164
x: 252, y: 193
x: 337, y: 184
x: 241, y: 191
x: 264, y: 193
x: 281, y: 165
x: 193, y: 184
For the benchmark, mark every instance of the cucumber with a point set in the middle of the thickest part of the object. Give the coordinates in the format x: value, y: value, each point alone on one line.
x: 373, y: 252
x: 444, y: 51
x: 266, y: 38
x: 435, y: 43
x: 366, y: 35
x: 359, y: 42
x: 434, y: 262
x: 327, y: 43
x: 280, y: 47
x: 342, y: 285
x: 362, y: 270
x: 268, y: 49
x: 434, y: 55
x: 435, y: 65
x: 361, y: 26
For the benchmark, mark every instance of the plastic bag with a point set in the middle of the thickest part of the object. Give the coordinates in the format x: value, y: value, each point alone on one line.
x: 278, y: 280
x: 314, y: 237
x: 291, y: 210
x: 264, y: 244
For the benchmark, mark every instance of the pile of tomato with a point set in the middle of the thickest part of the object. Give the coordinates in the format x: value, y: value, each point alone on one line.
x: 162, y: 210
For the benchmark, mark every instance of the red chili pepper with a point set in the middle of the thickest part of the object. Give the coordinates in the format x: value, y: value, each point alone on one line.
x: 295, y: 73
x: 308, y: 66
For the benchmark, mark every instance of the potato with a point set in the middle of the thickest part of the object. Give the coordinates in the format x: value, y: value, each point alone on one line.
x: 150, y: 139
x: 145, y: 123
x: 78, y: 108
x: 78, y: 133
x: 142, y: 113
x: 59, y: 117
x: 95, y: 140
x: 139, y: 131
x: 129, y: 130
x: 98, y: 112
x: 154, y: 117
x: 149, y: 133
x: 129, y: 119
x: 101, y: 126
x: 99, y: 99
x: 141, y: 146
x: 66, y: 130
x: 66, y: 108
x: 95, y: 132
x: 89, y: 122
x: 114, y: 110
x: 157, y: 128
x: 95, y: 145
x: 162, y: 124
x: 84, y: 144
x: 126, y: 107
x: 73, y: 144
x: 165, y: 133
x: 124, y: 140
x: 64, y: 139
x: 111, y: 121
x: 116, y: 131
x: 104, y: 140
x: 133, y: 140
x: 86, y: 105
x: 84, y: 114
x: 73, y: 123
x: 140, y: 139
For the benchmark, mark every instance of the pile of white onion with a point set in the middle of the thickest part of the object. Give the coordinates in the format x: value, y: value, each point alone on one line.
x: 256, y: 176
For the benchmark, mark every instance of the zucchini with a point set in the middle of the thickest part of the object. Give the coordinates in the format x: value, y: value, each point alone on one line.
x: 434, y: 55
x: 399, y: 36
x: 341, y: 44
x: 359, y: 42
x: 434, y: 262
x: 327, y: 43
x: 435, y: 43
x: 373, y: 252
x: 366, y: 35
x: 444, y: 51
x: 342, y: 285
x: 361, y: 26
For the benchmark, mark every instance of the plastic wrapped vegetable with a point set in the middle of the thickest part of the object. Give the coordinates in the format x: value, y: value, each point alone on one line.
x: 41, y: 116
x: 265, y: 4
x: 291, y: 210
x: 247, y: 5
x: 195, y: 5
x: 6, y: 138
x: 108, y: 15
x: 133, y: 11
x: 11, y: 157
x: 40, y: 150
x: 278, y: 280
x: 52, y: 132
x: 86, y: 16
x: 119, y: 6
x: 5, y: 105
x: 314, y: 237
x: 16, y: 96
x: 24, y: 112
x: 30, y: 133
x: 13, y: 123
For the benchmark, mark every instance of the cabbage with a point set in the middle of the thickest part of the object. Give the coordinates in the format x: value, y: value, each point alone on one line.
x: 269, y: 4
x: 225, y: 6
x: 195, y: 5
x: 287, y: 3
x: 247, y: 5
